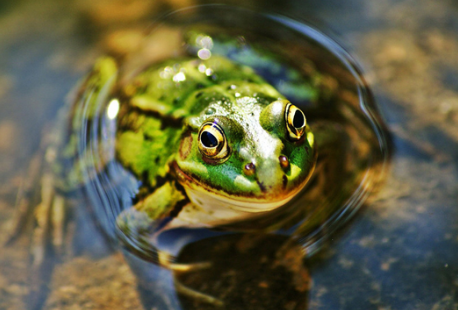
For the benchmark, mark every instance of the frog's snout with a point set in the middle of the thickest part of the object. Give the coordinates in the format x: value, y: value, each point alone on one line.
x: 266, y: 177
x: 250, y: 169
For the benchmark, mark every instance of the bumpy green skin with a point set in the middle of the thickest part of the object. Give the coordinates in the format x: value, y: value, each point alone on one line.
x: 162, y: 111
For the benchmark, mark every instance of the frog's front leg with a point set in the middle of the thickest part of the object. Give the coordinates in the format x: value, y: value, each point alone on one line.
x: 141, y: 225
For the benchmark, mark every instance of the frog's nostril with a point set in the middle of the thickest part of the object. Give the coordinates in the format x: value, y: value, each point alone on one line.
x: 249, y: 169
x: 284, y: 162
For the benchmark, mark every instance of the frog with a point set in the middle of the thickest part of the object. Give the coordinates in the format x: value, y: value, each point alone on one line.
x: 211, y: 141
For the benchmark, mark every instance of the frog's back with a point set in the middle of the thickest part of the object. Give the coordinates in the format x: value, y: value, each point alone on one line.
x: 174, y: 89
x: 153, y: 110
x: 161, y: 100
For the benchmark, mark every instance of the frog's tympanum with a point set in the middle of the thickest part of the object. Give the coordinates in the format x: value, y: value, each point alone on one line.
x: 211, y: 141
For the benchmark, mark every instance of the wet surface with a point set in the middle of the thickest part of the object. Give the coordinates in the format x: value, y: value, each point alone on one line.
x: 247, y: 273
x: 399, y: 253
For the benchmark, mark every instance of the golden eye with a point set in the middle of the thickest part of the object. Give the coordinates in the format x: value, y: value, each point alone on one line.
x: 295, y: 122
x: 212, y: 141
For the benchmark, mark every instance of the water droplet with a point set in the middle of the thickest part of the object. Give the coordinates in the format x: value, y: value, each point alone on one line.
x: 202, y: 68
x: 204, y: 54
x: 208, y: 72
x: 204, y: 41
x: 179, y: 77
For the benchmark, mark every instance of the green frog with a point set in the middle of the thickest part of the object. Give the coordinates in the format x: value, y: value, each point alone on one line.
x: 206, y: 143
x: 199, y: 141
x: 211, y: 140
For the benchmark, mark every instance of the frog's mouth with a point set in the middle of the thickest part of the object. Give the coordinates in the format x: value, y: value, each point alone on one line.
x: 207, y: 197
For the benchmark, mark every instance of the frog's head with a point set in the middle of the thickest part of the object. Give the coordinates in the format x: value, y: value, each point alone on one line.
x: 253, y: 157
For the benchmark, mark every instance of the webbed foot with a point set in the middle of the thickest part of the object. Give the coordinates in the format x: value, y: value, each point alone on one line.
x: 140, y: 235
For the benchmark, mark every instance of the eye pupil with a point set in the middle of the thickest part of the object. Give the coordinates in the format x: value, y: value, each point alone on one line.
x: 208, y: 140
x: 298, y: 120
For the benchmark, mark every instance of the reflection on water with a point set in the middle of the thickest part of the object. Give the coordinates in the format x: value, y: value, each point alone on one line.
x: 352, y: 154
x: 254, y: 259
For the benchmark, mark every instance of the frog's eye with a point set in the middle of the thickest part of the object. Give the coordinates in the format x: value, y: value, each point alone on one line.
x: 212, y: 141
x: 295, y: 122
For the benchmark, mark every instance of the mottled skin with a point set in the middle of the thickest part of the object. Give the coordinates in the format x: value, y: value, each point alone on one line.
x: 162, y: 114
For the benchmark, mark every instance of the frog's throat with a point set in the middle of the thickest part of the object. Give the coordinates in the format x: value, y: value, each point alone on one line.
x: 212, y: 200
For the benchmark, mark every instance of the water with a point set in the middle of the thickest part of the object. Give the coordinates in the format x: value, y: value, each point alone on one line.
x: 318, y: 76
x: 399, y: 253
